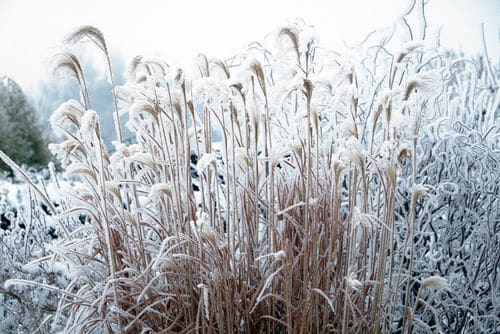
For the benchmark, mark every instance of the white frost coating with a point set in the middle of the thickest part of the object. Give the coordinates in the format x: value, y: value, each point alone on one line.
x: 348, y: 127
x: 279, y: 40
x: 155, y: 80
x: 70, y: 110
x: 308, y: 36
x: 353, y: 152
x: 112, y: 187
x: 277, y: 155
x: 143, y: 158
x: 347, y: 67
x: 195, y: 134
x: 353, y: 282
x: 296, y: 146
x: 207, y: 88
x: 364, y: 220
x: 435, y: 282
x: 297, y: 82
x: 241, y: 156
x: 352, y: 91
x: 419, y: 190
x: 140, y: 107
x: 279, y: 255
x: 32, y: 268
x: 158, y: 190
x: 127, y: 95
x: 174, y: 75
x: 203, y: 228
x: 64, y: 150
x: 387, y: 95
x: 78, y: 168
x: 58, y: 267
x: 206, y: 301
x: 428, y: 83
x: 263, y: 192
x: 88, y: 126
x: 123, y: 150
x: 247, y: 65
x: 399, y: 122
x: 206, y: 160
x: 409, y: 47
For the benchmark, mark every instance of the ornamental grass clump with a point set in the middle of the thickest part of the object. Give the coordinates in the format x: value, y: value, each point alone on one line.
x: 293, y: 226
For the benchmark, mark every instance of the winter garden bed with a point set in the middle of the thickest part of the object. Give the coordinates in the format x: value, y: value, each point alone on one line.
x: 346, y: 193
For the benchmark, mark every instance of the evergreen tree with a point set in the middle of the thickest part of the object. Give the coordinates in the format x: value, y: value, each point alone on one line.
x: 20, y: 133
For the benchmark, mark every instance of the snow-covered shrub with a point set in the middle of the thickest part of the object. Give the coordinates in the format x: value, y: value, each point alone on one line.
x: 459, y: 226
x: 28, y: 234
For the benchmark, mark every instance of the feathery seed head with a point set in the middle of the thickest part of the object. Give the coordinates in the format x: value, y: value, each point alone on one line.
x: 71, y: 111
x: 66, y: 60
x: 241, y: 156
x: 65, y: 150
x: 134, y: 65
x: 254, y: 66
x: 157, y: 190
x: 353, y: 152
x: 308, y: 37
x: 419, y: 190
x: 78, y: 168
x: 348, y: 128
x: 364, y: 220
x: 288, y: 39
x: 203, y: 65
x: 112, y: 187
x: 205, y: 161
x: 217, y: 65
x: 427, y: 83
x: 212, y: 91
x: 203, y: 228
x: 195, y: 133
x: 90, y: 32
x: 89, y: 122
x: 435, y: 282
x: 296, y: 146
x: 143, y: 158
x: 353, y: 282
x: 409, y: 47
x: 141, y: 107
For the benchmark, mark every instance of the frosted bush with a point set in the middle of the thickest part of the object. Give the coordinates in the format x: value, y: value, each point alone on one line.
x: 28, y: 233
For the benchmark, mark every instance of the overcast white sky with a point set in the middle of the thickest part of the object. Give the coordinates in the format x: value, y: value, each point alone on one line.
x: 178, y: 30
